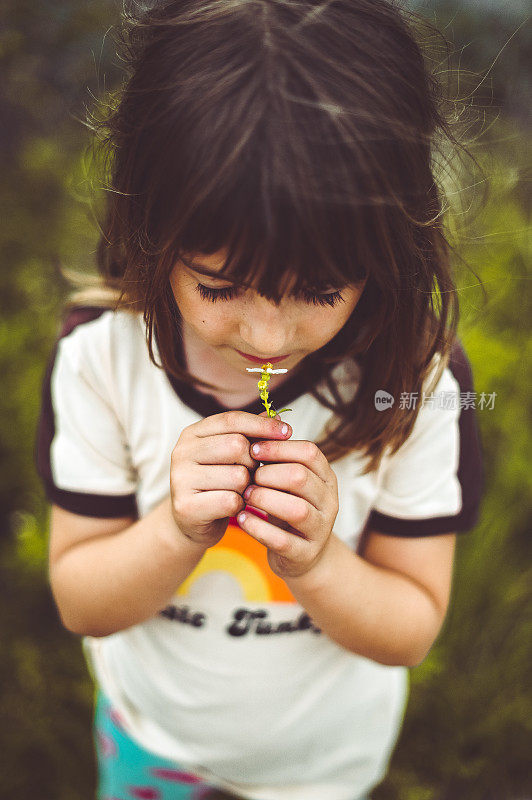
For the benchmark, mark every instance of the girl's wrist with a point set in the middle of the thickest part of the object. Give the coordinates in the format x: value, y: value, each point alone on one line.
x: 171, y: 536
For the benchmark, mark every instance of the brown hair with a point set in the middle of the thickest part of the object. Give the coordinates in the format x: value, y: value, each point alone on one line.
x: 299, y: 136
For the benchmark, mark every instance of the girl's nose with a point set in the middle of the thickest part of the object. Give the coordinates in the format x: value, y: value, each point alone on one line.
x: 266, y: 328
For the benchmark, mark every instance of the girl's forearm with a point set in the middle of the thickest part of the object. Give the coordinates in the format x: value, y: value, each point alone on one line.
x: 104, y: 585
x: 373, y: 612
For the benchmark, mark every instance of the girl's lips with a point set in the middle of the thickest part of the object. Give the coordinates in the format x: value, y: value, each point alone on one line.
x: 261, y: 360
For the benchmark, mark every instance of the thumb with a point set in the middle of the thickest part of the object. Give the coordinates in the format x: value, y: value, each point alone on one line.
x: 265, y: 414
x: 262, y: 414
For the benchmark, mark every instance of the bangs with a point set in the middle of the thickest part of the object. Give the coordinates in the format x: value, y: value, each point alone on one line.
x: 276, y: 253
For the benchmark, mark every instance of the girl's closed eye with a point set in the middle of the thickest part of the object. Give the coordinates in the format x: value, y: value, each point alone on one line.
x: 229, y: 292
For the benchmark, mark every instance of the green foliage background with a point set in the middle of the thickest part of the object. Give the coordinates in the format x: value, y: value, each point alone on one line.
x: 467, y: 728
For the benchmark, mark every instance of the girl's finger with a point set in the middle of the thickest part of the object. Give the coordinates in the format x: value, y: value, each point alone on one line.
x: 252, y: 425
x: 224, y: 448
x: 263, y: 414
x: 234, y: 478
x: 300, y: 515
x: 211, y: 506
x: 286, y: 545
x: 299, y: 451
x: 296, y: 479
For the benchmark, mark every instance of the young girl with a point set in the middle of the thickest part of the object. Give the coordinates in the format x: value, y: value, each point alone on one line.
x: 271, y: 198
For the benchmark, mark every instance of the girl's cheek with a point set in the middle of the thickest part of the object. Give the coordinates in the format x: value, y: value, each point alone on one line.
x: 215, y: 323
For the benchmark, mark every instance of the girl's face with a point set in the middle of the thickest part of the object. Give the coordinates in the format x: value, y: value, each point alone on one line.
x: 240, y: 321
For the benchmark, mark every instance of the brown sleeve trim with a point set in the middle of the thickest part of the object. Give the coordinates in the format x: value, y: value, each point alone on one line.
x: 394, y: 526
x: 93, y: 505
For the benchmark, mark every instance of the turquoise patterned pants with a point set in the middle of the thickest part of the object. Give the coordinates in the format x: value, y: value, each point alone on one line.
x: 128, y: 772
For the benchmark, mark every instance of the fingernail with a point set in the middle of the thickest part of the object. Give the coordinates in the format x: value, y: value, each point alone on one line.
x: 248, y: 491
x: 284, y: 429
x: 255, y: 449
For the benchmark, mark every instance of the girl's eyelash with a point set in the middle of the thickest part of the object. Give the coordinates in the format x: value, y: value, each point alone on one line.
x: 228, y: 292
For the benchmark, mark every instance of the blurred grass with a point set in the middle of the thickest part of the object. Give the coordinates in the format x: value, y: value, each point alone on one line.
x: 468, y: 725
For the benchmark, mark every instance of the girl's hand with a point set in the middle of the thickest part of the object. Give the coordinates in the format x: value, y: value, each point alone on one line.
x: 299, y: 492
x: 210, y: 468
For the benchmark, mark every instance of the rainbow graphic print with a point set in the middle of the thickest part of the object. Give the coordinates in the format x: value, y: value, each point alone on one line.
x: 245, y: 560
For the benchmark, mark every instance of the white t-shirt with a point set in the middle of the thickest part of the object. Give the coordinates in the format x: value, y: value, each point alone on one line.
x: 232, y: 679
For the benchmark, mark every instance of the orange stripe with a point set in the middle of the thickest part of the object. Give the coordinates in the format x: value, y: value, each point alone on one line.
x: 236, y: 539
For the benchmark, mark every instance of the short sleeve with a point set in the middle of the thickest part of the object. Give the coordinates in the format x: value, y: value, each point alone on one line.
x: 81, y: 454
x: 434, y: 483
